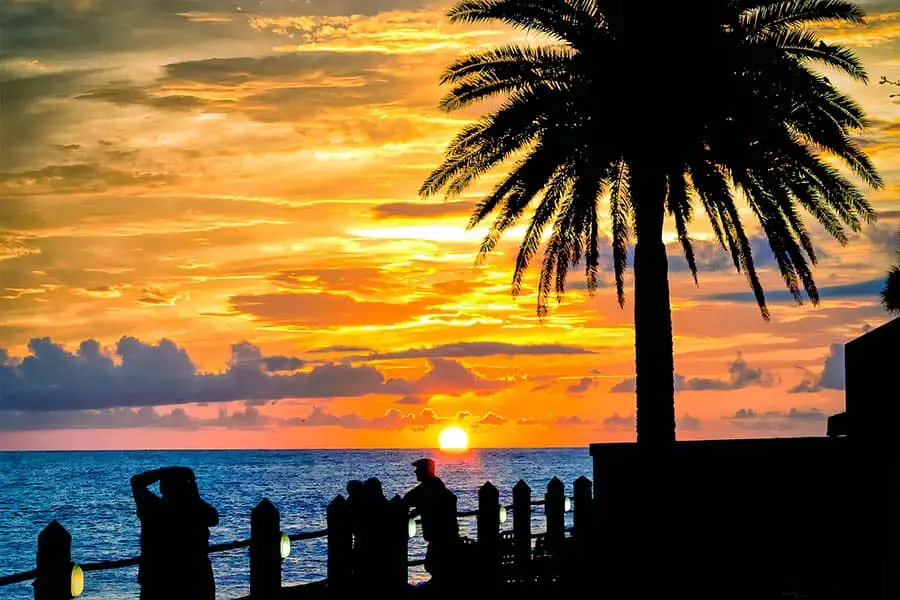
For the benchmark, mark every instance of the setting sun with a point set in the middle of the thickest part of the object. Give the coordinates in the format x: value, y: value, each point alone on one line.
x: 454, y: 438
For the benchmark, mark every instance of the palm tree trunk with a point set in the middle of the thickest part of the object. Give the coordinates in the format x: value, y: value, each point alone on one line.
x: 652, y: 314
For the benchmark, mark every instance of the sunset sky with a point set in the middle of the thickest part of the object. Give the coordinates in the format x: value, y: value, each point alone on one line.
x: 210, y: 237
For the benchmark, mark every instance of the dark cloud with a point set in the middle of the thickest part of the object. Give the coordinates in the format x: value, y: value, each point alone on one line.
x: 126, y: 96
x: 884, y: 239
x: 619, y: 422
x: 245, y: 355
x: 31, y: 110
x: 688, y: 423
x: 277, y: 364
x: 81, y: 177
x: 710, y: 256
x: 444, y: 376
x: 776, y: 420
x: 340, y: 350
x: 155, y: 296
x: 571, y: 421
x: 249, y: 418
x: 113, y: 418
x: 392, y: 419
x: 136, y: 374
x: 476, y: 349
x: 324, y: 309
x: 563, y: 421
x: 415, y: 210
x: 863, y: 289
x: 582, y: 386
x: 740, y: 375
x: 296, y: 87
x: 491, y: 419
x: 412, y: 400
x: 831, y: 378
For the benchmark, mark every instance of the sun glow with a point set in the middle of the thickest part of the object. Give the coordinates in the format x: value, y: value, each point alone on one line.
x: 454, y: 439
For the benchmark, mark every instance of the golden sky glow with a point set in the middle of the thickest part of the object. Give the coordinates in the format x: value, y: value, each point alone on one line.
x: 214, y: 173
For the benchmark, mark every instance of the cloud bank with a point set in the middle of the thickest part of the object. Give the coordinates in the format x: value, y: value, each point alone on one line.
x: 137, y: 374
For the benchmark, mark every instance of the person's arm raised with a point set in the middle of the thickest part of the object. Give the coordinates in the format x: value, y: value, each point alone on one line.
x: 141, y: 481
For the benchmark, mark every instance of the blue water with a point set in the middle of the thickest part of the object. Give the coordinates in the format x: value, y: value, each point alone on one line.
x: 89, y: 493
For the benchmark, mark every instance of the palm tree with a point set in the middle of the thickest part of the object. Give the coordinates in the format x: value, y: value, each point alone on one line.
x: 659, y: 106
x: 890, y: 295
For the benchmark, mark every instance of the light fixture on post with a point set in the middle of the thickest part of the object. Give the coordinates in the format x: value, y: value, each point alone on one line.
x: 285, y: 545
x: 411, y: 528
x: 568, y: 504
x: 503, y: 514
x: 77, y: 581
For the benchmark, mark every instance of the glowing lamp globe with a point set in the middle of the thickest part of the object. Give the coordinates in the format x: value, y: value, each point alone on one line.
x: 77, y: 581
x: 568, y: 504
x: 503, y: 514
x: 411, y: 528
x: 285, y: 545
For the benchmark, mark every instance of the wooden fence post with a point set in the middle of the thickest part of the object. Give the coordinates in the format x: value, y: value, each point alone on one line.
x: 340, y: 545
x: 488, y: 528
x: 522, y: 523
x: 555, y: 509
x: 54, y: 564
x: 583, y: 519
x: 265, y: 551
x: 398, y: 546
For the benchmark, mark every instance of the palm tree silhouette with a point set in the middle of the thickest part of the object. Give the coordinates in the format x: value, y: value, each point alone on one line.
x: 659, y: 106
x: 890, y: 295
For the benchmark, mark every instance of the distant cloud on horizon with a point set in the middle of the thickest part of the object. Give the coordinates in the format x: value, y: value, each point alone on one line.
x: 474, y: 349
x: 136, y: 374
x: 741, y: 375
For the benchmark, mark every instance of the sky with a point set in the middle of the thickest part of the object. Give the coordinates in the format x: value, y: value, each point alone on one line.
x: 210, y: 237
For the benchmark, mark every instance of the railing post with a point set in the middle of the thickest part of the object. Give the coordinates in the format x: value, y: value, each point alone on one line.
x: 583, y: 519
x: 488, y: 528
x: 265, y: 551
x: 397, y: 543
x: 555, y: 509
x: 340, y: 546
x: 522, y: 523
x: 54, y: 564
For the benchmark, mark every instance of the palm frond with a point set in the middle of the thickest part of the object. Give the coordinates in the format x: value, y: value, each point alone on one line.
x: 619, y: 212
x: 546, y: 209
x: 679, y: 206
x: 890, y: 295
x: 569, y: 21
x: 791, y: 13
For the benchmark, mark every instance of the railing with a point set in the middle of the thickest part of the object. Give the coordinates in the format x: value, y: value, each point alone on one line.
x: 57, y: 577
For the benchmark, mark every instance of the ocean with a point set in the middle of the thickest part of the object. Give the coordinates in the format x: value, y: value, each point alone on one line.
x: 89, y: 494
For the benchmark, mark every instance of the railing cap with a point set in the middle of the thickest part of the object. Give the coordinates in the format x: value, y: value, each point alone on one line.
x: 488, y: 492
x: 265, y: 507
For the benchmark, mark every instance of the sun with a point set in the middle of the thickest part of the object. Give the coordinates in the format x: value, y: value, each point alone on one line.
x: 454, y: 438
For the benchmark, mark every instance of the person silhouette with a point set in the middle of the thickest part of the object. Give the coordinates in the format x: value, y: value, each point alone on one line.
x: 174, y: 536
x: 436, y: 505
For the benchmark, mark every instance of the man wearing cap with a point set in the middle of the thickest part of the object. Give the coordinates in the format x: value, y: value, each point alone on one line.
x: 437, y: 507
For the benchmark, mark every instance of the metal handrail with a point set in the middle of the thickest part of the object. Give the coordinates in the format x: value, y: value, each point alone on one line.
x: 222, y: 547
x: 107, y: 565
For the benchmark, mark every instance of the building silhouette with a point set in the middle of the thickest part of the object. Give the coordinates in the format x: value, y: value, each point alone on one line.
x: 816, y: 517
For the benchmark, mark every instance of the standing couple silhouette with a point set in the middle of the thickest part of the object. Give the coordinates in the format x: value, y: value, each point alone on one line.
x: 174, y: 536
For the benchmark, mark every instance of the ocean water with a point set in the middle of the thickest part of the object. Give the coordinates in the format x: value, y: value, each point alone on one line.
x: 89, y: 494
